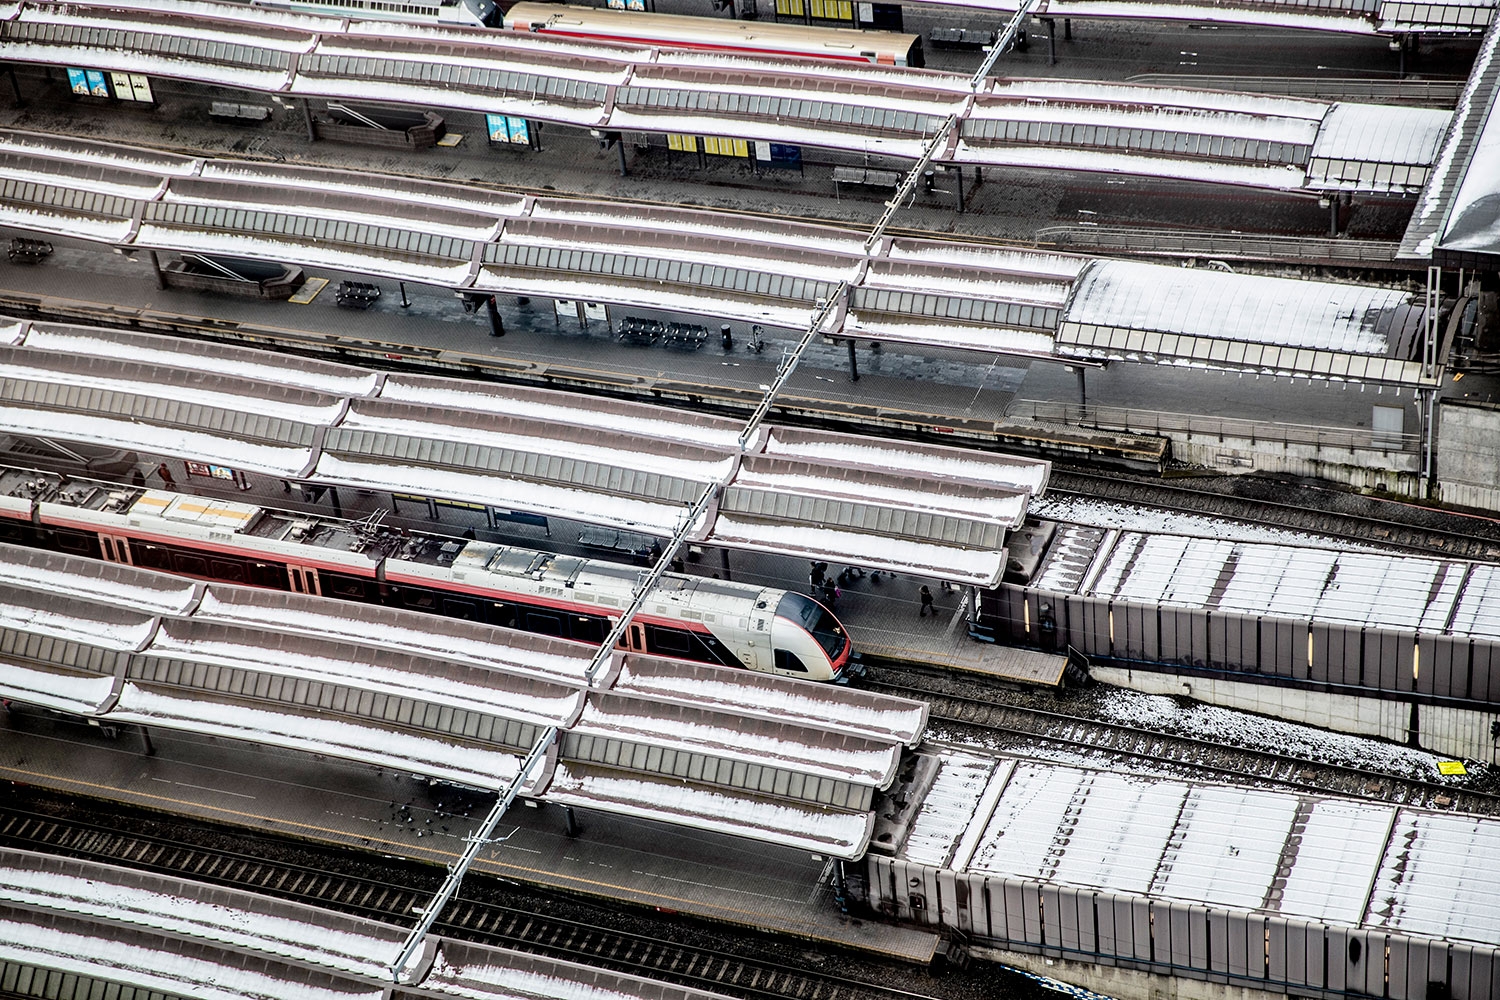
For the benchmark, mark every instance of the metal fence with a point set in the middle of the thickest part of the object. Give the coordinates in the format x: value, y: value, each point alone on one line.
x: 1225, y: 246
x: 1426, y: 93
x: 1136, y: 421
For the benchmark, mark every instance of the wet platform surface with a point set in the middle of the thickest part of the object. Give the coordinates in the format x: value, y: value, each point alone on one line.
x: 725, y: 879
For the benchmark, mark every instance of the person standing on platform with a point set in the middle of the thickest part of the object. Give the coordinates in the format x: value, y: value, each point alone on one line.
x: 166, y: 476
x: 927, y: 606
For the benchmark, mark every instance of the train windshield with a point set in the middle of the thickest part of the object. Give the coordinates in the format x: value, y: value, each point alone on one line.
x: 816, y: 619
x: 485, y: 12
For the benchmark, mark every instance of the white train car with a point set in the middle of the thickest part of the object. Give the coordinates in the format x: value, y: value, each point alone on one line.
x: 570, y: 597
x: 601, y: 24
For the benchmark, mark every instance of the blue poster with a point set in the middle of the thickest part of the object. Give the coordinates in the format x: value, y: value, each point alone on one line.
x: 519, y: 132
x: 78, y: 81
x: 498, y: 128
x: 97, y: 86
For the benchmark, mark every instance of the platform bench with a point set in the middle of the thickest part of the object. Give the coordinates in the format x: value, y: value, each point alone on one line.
x: 864, y: 176
x: 229, y: 111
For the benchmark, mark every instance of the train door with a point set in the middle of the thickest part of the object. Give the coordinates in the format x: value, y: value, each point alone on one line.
x: 304, y: 580
x: 116, y: 549
x: 634, y: 638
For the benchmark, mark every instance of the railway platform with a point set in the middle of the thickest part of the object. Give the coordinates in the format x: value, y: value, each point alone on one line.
x: 724, y: 879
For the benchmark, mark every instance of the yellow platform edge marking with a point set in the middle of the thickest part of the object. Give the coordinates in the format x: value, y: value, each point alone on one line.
x: 309, y: 291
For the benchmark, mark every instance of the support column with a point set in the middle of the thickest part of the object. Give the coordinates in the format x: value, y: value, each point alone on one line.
x: 957, y: 173
x: 853, y: 363
x: 333, y: 498
x: 312, y: 133
x: 15, y: 86
x: 724, y: 563
x: 1067, y: 29
x: 404, y: 302
x: 1051, y: 24
x: 161, y: 279
x: 620, y: 146
x: 146, y: 737
x: 1083, y: 391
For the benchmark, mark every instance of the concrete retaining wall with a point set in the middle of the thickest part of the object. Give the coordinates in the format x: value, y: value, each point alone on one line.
x: 1395, y: 472
x: 1468, y: 454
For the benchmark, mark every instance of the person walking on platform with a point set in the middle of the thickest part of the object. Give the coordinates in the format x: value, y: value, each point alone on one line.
x: 927, y: 607
x: 815, y: 575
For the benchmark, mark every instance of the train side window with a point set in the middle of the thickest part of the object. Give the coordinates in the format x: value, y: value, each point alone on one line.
x: 153, y: 556
x: 420, y: 600
x: 72, y: 541
x: 344, y: 586
x: 503, y: 615
x: 184, y: 562
x: 537, y: 621
x: 229, y: 572
x: 586, y: 629
x: 787, y: 660
x: 460, y: 609
x: 267, y: 575
x: 667, y: 641
x: 11, y: 531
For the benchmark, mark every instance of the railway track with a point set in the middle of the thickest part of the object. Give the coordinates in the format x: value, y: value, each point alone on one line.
x: 1466, y: 537
x: 471, y: 919
x: 1193, y: 756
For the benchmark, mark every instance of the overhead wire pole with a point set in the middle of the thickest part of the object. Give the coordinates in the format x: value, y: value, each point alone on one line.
x: 1003, y: 42
x: 482, y: 837
x: 477, y: 842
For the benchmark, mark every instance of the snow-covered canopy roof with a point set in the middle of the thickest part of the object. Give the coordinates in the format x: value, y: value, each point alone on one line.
x: 1343, y: 862
x: 457, y: 701
x: 1168, y: 132
x: 979, y: 298
x: 1457, y: 219
x: 207, y: 942
x: 1363, y: 589
x: 625, y: 465
x: 1200, y: 318
x: 1360, y: 17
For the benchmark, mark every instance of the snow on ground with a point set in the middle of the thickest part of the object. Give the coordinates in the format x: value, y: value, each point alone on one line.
x: 1176, y: 717
x: 1129, y: 517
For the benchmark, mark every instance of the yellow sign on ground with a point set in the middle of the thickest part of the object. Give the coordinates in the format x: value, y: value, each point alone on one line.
x: 1452, y: 767
x: 450, y: 139
x: 309, y: 291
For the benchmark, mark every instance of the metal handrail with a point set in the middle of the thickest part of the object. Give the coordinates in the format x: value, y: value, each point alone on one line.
x: 1235, y: 246
x: 1137, y: 421
x: 1438, y: 93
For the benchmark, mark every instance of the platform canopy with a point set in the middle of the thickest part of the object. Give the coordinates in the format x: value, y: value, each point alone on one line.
x: 1131, y: 311
x: 1173, y: 132
x: 1457, y: 220
x: 112, y: 930
x: 624, y: 465
x: 999, y: 300
x: 702, y: 746
x: 1358, y: 17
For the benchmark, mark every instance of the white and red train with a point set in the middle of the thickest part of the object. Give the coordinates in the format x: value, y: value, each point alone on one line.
x: 689, y: 617
x: 600, y: 24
